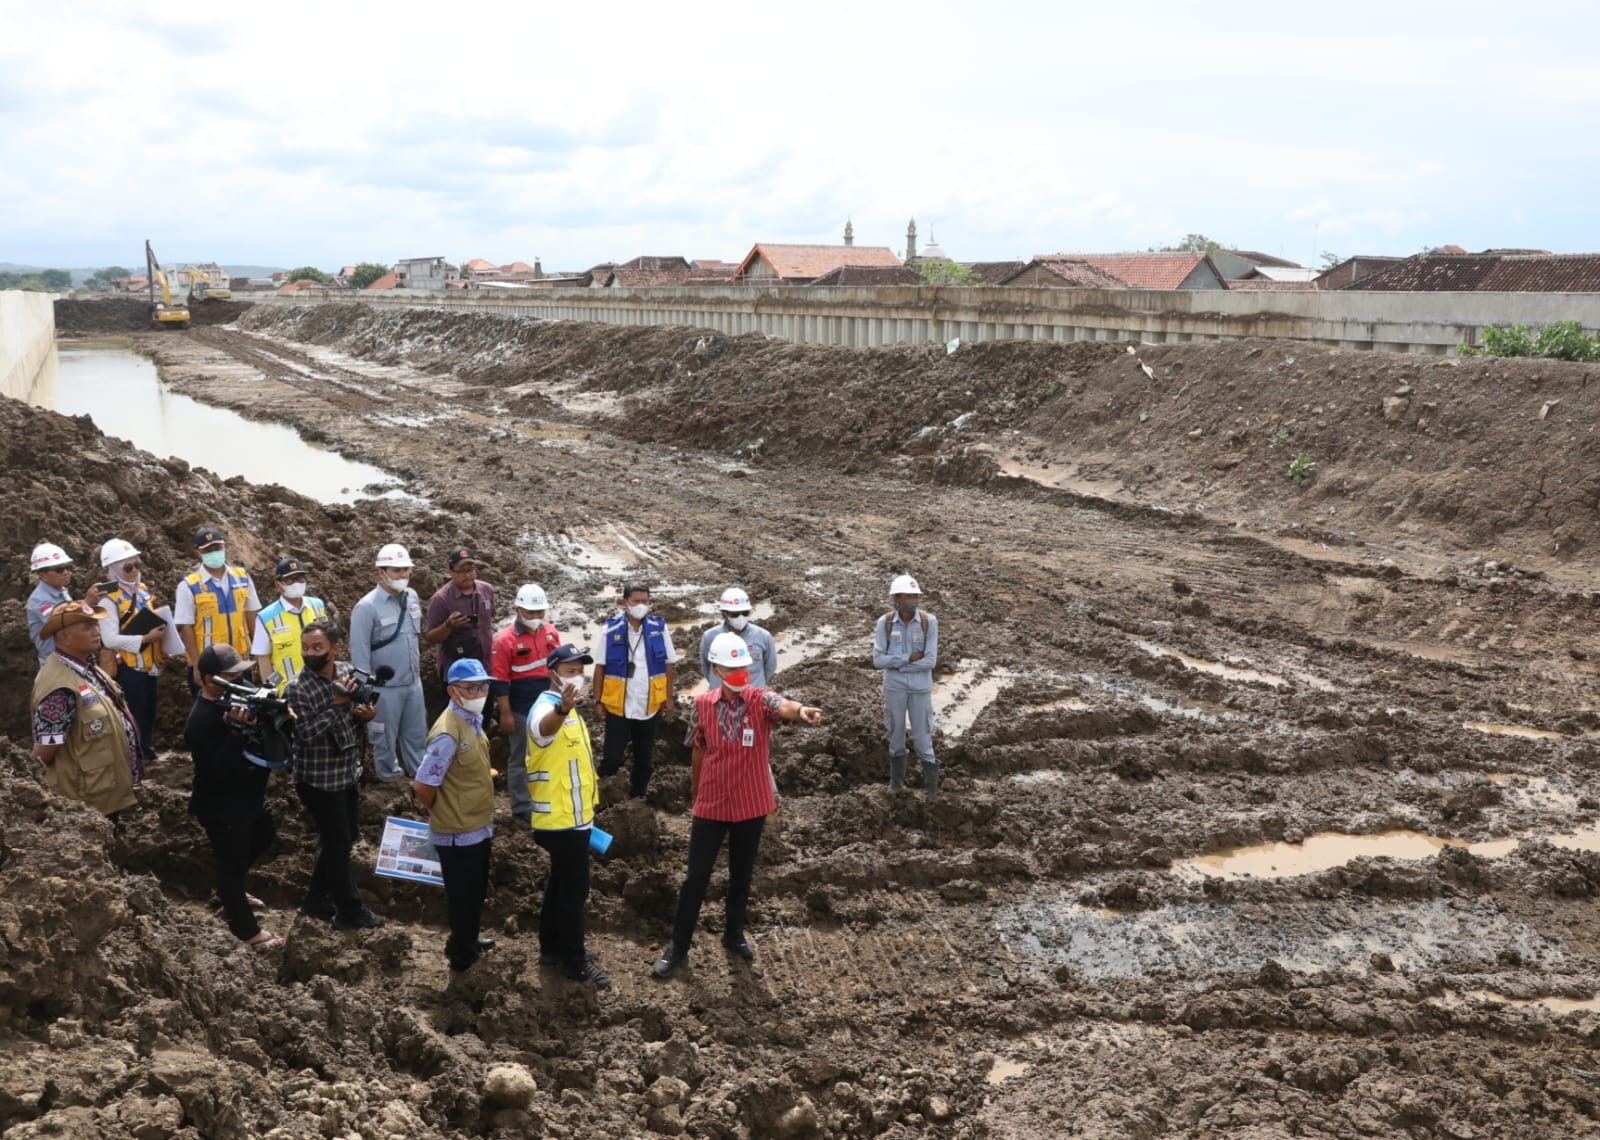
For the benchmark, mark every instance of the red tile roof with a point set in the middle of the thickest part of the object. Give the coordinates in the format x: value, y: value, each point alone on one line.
x: 387, y: 281
x: 713, y: 263
x: 478, y: 264
x: 804, y: 263
x: 300, y: 286
x: 1142, y: 270
x: 1065, y: 271
x: 869, y: 275
x: 517, y: 267
x: 994, y: 272
x: 1489, y: 273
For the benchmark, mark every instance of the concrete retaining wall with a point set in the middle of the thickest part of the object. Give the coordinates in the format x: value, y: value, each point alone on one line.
x: 1432, y: 323
x: 27, y: 333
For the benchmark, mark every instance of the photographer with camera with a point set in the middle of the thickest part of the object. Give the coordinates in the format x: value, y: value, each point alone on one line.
x: 327, y: 768
x: 229, y: 796
x: 460, y: 618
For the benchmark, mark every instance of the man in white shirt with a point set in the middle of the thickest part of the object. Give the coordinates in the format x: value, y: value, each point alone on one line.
x: 633, y: 677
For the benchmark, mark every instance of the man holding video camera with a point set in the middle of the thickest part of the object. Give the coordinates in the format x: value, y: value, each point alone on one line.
x: 229, y: 797
x: 327, y: 769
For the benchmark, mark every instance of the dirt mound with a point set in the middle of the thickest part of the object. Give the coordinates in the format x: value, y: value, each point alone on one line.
x: 1491, y: 452
x: 132, y: 314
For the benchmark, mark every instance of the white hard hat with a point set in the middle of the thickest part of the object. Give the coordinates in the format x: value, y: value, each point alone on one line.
x: 734, y: 599
x: 729, y: 649
x: 116, y: 550
x: 531, y: 597
x: 48, y: 556
x: 394, y: 555
x: 905, y: 584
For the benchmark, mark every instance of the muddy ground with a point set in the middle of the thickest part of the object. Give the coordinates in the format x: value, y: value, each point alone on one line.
x: 1163, y: 653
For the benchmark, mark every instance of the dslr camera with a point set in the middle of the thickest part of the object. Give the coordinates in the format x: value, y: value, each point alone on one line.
x: 368, y: 684
x: 268, y: 738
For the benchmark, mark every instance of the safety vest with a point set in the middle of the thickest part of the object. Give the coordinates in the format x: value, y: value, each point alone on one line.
x: 128, y: 605
x: 284, y: 627
x: 219, y: 608
x: 465, y: 801
x: 618, y: 632
x: 561, y: 779
x: 93, y: 765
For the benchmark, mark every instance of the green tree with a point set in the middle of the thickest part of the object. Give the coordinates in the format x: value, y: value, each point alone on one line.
x: 107, y: 275
x: 1194, y: 243
x: 56, y: 280
x: 941, y: 272
x: 366, y: 273
x: 308, y: 273
x: 1330, y: 259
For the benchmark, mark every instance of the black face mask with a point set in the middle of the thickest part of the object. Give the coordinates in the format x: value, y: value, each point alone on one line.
x: 906, y: 608
x: 317, y: 662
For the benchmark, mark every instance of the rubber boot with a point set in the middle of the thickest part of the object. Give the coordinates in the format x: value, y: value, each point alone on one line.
x: 930, y: 781
x: 897, y: 771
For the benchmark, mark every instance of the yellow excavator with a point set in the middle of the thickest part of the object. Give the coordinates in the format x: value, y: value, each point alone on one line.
x: 207, y: 283
x: 164, y: 314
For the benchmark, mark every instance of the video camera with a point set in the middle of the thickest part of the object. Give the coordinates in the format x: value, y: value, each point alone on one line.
x: 366, y: 690
x: 268, y: 738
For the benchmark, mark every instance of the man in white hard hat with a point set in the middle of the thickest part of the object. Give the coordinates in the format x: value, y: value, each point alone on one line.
x: 518, y: 675
x: 386, y: 629
x: 734, y: 606
x: 905, y: 645
x: 54, y: 569
x: 133, y: 631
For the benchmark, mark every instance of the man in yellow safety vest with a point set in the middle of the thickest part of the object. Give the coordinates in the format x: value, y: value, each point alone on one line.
x: 215, y: 605
x: 276, y: 645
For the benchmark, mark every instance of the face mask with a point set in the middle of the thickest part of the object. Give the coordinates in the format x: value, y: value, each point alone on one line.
x: 475, y: 705
x: 738, y: 621
x: 317, y: 662
x: 737, y: 681
x: 637, y: 612
x: 575, y: 682
x: 129, y: 582
x: 214, y: 559
x: 396, y: 585
x: 294, y: 591
x: 906, y: 608
x: 528, y: 625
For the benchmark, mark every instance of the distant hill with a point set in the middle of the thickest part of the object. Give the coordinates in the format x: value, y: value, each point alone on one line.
x: 81, y: 275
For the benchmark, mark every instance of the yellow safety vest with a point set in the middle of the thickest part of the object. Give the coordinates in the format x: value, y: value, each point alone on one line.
x: 148, y: 656
x: 284, y: 627
x: 213, y: 626
x: 465, y: 801
x: 561, y: 779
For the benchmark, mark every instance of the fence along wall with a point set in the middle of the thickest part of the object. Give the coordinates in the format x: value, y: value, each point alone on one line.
x: 27, y: 333
x: 1433, y: 323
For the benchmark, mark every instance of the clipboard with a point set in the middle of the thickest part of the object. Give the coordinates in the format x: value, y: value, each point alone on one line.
x: 143, y: 622
x: 171, y: 643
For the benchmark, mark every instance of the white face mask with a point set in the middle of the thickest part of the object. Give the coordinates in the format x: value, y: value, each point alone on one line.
x: 738, y: 621
x: 294, y: 591
x: 396, y: 585
x: 475, y: 705
x: 575, y: 682
x: 637, y: 612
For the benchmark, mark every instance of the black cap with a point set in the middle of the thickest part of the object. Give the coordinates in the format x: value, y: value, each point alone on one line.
x: 207, y: 536
x: 461, y: 554
x: 562, y: 654
x: 290, y: 566
x: 221, y: 658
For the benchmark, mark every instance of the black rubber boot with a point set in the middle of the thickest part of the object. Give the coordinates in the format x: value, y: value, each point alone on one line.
x: 897, y: 771
x: 930, y: 781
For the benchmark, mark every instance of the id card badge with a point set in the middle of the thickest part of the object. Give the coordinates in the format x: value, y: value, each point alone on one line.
x: 749, y: 739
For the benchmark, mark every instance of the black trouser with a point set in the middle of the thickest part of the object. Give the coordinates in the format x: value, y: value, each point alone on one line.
x: 619, y: 731
x: 466, y: 885
x: 705, y: 840
x: 140, y: 689
x: 336, y: 816
x: 566, y: 895
x: 237, y: 844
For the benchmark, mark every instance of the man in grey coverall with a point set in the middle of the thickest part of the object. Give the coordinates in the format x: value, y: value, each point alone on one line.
x: 905, y: 645
x: 386, y: 629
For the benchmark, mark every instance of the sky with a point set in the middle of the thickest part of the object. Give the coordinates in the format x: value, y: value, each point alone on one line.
x: 335, y: 133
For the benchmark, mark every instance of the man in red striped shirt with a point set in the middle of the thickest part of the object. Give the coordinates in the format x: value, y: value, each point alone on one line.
x: 734, y: 792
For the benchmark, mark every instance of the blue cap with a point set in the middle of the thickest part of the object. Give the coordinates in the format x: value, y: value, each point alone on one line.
x: 466, y: 670
x: 561, y: 654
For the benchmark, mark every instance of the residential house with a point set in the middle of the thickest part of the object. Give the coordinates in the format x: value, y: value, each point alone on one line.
x: 770, y: 263
x: 1353, y: 269
x: 868, y: 276
x: 302, y: 285
x: 1488, y: 273
x: 650, y: 273
x: 1149, y: 270
x: 424, y: 272
x: 1267, y: 277
x: 478, y: 265
x: 1237, y: 263
x: 1063, y: 271
x: 387, y: 281
x: 994, y: 272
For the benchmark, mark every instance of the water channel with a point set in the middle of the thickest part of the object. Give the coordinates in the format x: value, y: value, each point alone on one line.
x: 122, y: 393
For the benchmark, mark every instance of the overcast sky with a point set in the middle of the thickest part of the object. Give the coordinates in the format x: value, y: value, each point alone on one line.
x: 343, y: 131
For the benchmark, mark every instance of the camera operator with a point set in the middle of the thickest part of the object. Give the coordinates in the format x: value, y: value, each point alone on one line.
x: 327, y: 766
x: 229, y: 797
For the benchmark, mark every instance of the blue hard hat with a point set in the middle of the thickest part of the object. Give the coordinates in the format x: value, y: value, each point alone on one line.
x: 466, y: 670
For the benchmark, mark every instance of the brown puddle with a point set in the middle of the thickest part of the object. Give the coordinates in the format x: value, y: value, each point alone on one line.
x: 959, y: 698
x: 1521, y: 730
x: 1004, y: 1069
x: 1214, y: 668
x: 1560, y: 1006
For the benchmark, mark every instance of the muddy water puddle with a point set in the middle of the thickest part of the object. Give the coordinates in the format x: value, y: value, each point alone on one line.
x: 543, y: 431
x: 1519, y: 730
x: 961, y: 696
x: 123, y: 394
x: 1560, y: 1006
x: 1004, y: 1069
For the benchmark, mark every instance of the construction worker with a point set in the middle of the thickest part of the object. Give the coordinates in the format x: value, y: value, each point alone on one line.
x: 460, y: 619
x: 456, y: 790
x: 565, y: 791
x: 54, y: 569
x: 133, y: 631
x: 214, y: 605
x: 83, y: 733
x: 905, y: 645
x: 276, y: 645
x: 634, y: 681
x: 519, y: 675
x: 734, y: 606
x: 733, y: 792
x: 386, y: 629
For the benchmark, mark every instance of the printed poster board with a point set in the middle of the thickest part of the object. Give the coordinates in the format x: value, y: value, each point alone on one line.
x: 405, y: 852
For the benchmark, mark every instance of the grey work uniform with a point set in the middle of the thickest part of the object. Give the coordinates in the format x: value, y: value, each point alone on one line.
x: 40, y: 603
x: 763, y: 655
x: 386, y: 629
x: 907, y: 684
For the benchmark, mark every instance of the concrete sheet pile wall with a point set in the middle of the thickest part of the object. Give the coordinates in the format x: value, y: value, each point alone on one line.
x: 27, y: 331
